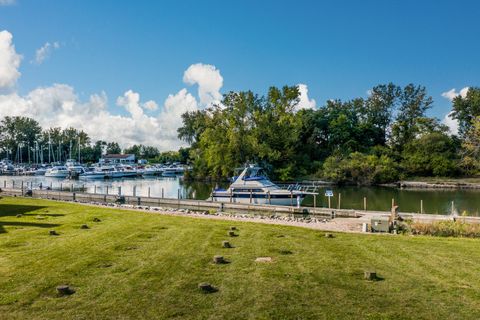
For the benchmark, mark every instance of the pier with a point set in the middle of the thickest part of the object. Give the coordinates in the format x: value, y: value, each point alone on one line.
x: 215, y: 206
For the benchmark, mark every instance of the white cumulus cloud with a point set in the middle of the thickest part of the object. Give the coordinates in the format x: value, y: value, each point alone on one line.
x: 304, y: 101
x: 45, y: 51
x: 208, y: 79
x: 452, y: 93
x: 9, y: 62
x: 451, y: 123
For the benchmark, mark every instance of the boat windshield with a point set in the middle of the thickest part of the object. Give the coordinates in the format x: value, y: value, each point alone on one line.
x: 255, y: 173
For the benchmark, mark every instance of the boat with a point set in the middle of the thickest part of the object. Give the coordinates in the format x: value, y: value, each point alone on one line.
x: 74, y: 167
x: 94, y: 174
x: 253, y: 186
x: 173, y: 170
x: 6, y: 167
x: 57, y: 172
x: 125, y: 171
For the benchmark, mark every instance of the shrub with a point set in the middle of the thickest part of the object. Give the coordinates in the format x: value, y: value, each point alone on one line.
x: 446, y: 229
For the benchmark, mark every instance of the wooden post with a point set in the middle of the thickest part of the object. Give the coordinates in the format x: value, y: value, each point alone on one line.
x: 339, y: 200
x: 119, y: 191
x: 421, y: 206
x: 61, y: 187
x: 269, y: 197
x: 13, y: 184
x: 107, y: 190
x: 134, y: 191
x: 291, y: 198
x: 162, y: 193
x: 95, y: 189
x: 149, y: 192
x: 251, y: 195
x: 72, y: 187
x: 365, y: 203
x: 329, y: 202
x: 178, y: 194
x: 393, y: 202
x: 314, y: 201
x: 231, y: 195
x: 5, y: 184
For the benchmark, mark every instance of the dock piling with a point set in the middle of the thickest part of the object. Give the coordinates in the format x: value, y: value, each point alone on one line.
x: 365, y: 203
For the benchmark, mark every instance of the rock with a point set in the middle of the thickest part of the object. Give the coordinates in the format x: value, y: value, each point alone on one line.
x: 53, y: 233
x: 226, y: 244
x: 218, y: 260
x: 65, y: 290
x: 84, y: 226
x: 370, y: 275
x: 207, y: 287
x: 264, y: 259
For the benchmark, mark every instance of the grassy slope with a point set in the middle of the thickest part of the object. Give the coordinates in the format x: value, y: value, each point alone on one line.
x: 140, y: 265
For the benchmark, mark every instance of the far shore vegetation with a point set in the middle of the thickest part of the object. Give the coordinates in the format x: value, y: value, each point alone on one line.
x: 383, y: 138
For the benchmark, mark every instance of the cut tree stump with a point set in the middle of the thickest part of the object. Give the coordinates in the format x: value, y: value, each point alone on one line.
x: 329, y: 235
x: 207, y: 287
x: 218, y: 260
x: 65, y: 290
x: 226, y: 244
x: 96, y: 220
x: 19, y: 215
x: 370, y: 275
x: 233, y: 228
x: 84, y: 226
x: 53, y: 233
x: 232, y: 233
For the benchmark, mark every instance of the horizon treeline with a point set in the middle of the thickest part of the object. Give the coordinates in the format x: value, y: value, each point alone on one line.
x: 23, y: 140
x: 382, y: 138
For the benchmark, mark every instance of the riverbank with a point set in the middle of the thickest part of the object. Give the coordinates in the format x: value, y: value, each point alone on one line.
x: 137, y: 265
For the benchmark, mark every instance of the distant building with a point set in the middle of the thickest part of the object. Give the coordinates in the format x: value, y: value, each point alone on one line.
x: 118, y: 158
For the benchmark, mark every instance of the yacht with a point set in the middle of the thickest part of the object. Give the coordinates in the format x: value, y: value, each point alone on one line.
x: 6, y: 167
x: 93, y: 174
x: 57, y: 172
x: 126, y: 171
x: 74, y: 167
x: 173, y: 170
x: 253, y: 186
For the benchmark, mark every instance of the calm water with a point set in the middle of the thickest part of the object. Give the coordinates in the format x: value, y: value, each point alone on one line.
x: 378, y: 198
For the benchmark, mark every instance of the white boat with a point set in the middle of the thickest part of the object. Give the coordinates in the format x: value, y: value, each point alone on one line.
x: 74, y: 167
x: 253, y: 186
x: 173, y: 170
x: 126, y: 171
x: 93, y: 175
x: 57, y: 172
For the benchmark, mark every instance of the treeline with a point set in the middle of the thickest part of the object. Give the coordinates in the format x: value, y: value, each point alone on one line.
x: 22, y: 139
x: 382, y: 138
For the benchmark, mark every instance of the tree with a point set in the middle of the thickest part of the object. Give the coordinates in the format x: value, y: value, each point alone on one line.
x: 18, y: 136
x: 113, y: 148
x: 471, y: 148
x: 413, y: 104
x: 466, y: 109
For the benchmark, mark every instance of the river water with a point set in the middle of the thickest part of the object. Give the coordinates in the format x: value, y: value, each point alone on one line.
x: 435, y: 201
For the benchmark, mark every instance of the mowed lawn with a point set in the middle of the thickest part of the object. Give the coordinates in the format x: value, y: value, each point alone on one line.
x: 136, y: 265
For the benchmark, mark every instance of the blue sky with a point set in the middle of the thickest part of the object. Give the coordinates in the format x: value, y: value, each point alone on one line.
x: 339, y: 49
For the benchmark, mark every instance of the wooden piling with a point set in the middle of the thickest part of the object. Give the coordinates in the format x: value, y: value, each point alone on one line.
x: 365, y: 203
x: 339, y: 200
x: 421, y: 206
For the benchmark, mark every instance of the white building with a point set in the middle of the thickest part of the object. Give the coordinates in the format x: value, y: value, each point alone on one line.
x: 118, y: 158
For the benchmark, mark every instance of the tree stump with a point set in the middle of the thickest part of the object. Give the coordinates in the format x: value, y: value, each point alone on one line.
x: 96, y: 220
x: 329, y: 235
x: 218, y: 260
x: 226, y: 244
x: 370, y: 275
x: 65, y: 290
x: 53, y: 233
x: 19, y: 215
x: 231, y: 233
x: 84, y: 226
x: 206, y: 287
x: 233, y: 228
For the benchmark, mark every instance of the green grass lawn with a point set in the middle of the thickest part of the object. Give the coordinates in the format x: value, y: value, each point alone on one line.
x: 135, y: 265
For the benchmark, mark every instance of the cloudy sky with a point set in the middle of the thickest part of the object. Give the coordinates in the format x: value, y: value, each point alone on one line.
x: 127, y: 70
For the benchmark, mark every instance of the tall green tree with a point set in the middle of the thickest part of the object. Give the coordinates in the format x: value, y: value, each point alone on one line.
x: 19, y: 134
x: 466, y: 109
